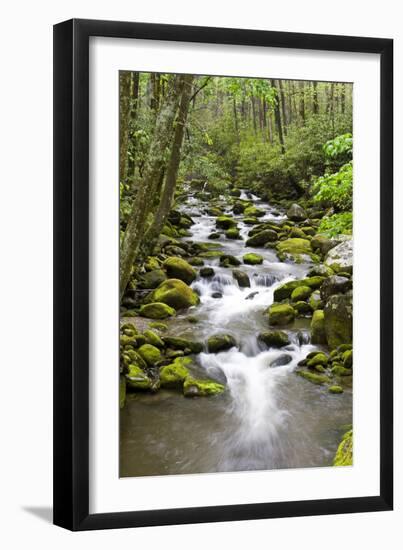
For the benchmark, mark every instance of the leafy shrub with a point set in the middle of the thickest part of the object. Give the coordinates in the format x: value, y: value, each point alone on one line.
x: 337, y: 224
x: 336, y: 189
x: 340, y: 145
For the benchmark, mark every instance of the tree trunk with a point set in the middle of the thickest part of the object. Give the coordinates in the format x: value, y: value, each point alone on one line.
x: 236, y: 124
x: 343, y: 98
x: 315, y: 102
x: 302, y: 101
x: 124, y: 97
x: 154, y: 164
x: 134, y: 96
x: 277, y: 117
x: 168, y: 191
x: 283, y: 107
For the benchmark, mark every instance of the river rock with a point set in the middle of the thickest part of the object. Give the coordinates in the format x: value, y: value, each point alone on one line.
x: 284, y: 291
x: 262, y: 237
x: 252, y: 211
x: 252, y: 259
x: 153, y: 339
x: 296, y: 213
x: 157, y: 310
x: 225, y: 222
x: 178, y: 268
x: 238, y: 208
x: 174, y: 374
x: 318, y: 332
x: 175, y: 293
x: 227, y: 260
x: 175, y: 251
x: 201, y: 388
x: 274, y: 338
x: 214, y: 236
x: 323, y: 243
x: 206, y: 272
x: 315, y: 300
x: 340, y: 258
x: 338, y: 314
x: 152, y: 279
x: 150, y: 354
x: 281, y: 360
x: 280, y: 314
x: 182, y: 343
x: 301, y: 293
x: 295, y: 248
x: 241, y: 278
x: 321, y: 270
x: 137, y: 379
x: 302, y: 308
x: 334, y: 285
x: 232, y: 233
x: 220, y: 342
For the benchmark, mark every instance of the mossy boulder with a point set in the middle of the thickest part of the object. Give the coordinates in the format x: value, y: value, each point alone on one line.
x: 320, y: 270
x: 274, y: 338
x: 201, y: 388
x: 262, y: 237
x: 153, y: 339
x: 334, y: 285
x: 296, y: 232
x: 295, y: 248
x: 302, y: 308
x: 137, y: 379
x: 348, y: 359
x: 241, y: 278
x: 318, y: 359
x: 284, y: 291
x: 252, y: 259
x: 152, y: 279
x: 280, y: 314
x: 196, y: 261
x: 301, y: 293
x: 158, y: 326
x: 227, y: 260
x: 152, y: 264
x: 296, y: 213
x: 183, y: 344
x: 318, y: 332
x: 151, y: 354
x: 232, y: 233
x: 220, y: 342
x: 176, y: 294
x: 225, y: 222
x: 344, y: 453
x: 213, y: 236
x: 174, y: 374
x: 157, y: 310
x: 315, y: 378
x: 339, y: 370
x: 206, y: 272
x: 340, y: 258
x: 178, y: 268
x: 338, y: 315
x: 252, y: 211
x: 335, y: 389
x: 315, y: 300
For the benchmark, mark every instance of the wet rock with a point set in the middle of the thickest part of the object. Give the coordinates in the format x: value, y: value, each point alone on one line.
x: 344, y: 454
x: 201, y: 388
x: 225, y: 222
x: 274, y: 338
x: 348, y: 359
x: 196, y: 261
x: 281, y: 360
x: 216, y: 294
x: 241, y: 278
x: 335, y: 389
x: 150, y: 354
x: 175, y: 251
x: 220, y: 342
x: 317, y: 359
x: 232, y: 233
x: 284, y: 291
x: 301, y: 293
x: 174, y: 374
x: 252, y: 211
x: 157, y: 310
x: 152, y: 279
x: 227, y: 260
x: 315, y: 301
x: 280, y: 314
x: 334, y: 285
x: 302, y: 308
x: 182, y: 343
x: 296, y: 213
x: 137, y: 379
x: 321, y: 270
x: 340, y: 258
x: 297, y: 232
x: 250, y: 221
x: 252, y: 295
x: 252, y: 259
x: 323, y: 243
x: 153, y: 339
x: 339, y: 320
x: 175, y: 293
x: 318, y: 332
x: 206, y: 272
x: 315, y: 378
x: 238, y: 208
x: 214, y: 236
x: 262, y: 237
x: 177, y: 268
x: 294, y: 248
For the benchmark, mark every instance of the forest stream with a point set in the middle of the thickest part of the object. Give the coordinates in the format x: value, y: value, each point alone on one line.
x: 267, y: 417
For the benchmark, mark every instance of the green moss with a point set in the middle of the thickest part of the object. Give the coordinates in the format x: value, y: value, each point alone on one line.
x: 318, y: 359
x: 150, y: 354
x: 295, y: 248
x: 262, y: 237
x: 176, y: 294
x: 315, y: 300
x: 348, y: 359
x: 339, y: 320
x: 318, y: 333
x: 158, y: 326
x: 178, y: 268
x: 201, y: 388
x: 152, y: 263
x: 136, y: 379
x: 183, y: 344
x: 284, y: 291
x: 227, y: 260
x: 339, y: 370
x: 280, y: 314
x: 252, y: 259
x: 274, y: 338
x: 302, y: 308
x: 122, y: 391
x: 344, y: 454
x: 313, y: 377
x: 153, y: 339
x: 225, y: 222
x: 296, y: 232
x: 301, y: 293
x: 252, y: 211
x: 232, y: 233
x: 220, y: 342
x: 157, y: 310
x: 152, y: 279
x: 173, y: 375
x: 198, y: 262
x: 335, y: 389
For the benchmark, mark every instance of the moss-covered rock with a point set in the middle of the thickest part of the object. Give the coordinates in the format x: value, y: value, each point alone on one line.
x: 196, y: 261
x: 347, y: 359
x: 201, y: 388
x: 152, y: 279
x: 262, y: 237
x: 225, y: 222
x: 183, y: 344
x: 322, y: 243
x: 320, y: 270
x: 220, y: 342
x: 284, y: 291
x: 252, y: 259
x: 339, y: 370
x: 153, y: 339
x: 227, y: 260
x: 137, y: 379
x: 296, y: 232
x: 340, y: 258
x: 344, y: 454
x: 158, y: 326
x: 318, y: 332
x: 302, y: 308
x: 295, y: 248
x: 152, y: 264
x: 318, y: 359
x: 206, y: 272
x: 301, y: 293
x: 157, y: 310
x: 176, y: 294
x: 241, y: 278
x: 334, y: 285
x: 280, y: 314
x: 214, y: 236
x: 313, y: 377
x: 339, y: 320
x: 315, y: 300
x: 178, y: 268
x: 150, y: 354
x: 174, y: 374
x: 254, y: 212
x: 296, y: 213
x: 232, y: 233
x: 274, y: 338
x: 335, y: 389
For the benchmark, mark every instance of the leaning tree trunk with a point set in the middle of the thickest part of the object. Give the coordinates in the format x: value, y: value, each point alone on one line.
x: 168, y: 191
x: 124, y: 96
x: 146, y: 191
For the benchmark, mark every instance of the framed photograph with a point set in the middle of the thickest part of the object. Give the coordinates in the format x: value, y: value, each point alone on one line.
x: 223, y: 303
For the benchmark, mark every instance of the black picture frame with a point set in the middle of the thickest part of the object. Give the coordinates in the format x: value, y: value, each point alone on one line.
x: 71, y: 274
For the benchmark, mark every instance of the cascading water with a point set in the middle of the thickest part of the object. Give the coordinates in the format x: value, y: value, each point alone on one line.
x: 268, y: 418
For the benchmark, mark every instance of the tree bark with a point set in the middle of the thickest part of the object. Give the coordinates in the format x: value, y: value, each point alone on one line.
x: 315, y: 102
x: 277, y: 117
x: 283, y: 107
x: 154, y: 164
x: 134, y: 96
x: 124, y: 108
x: 302, y: 101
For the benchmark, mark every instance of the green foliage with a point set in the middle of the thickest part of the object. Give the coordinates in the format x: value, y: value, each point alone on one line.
x: 338, y: 146
x: 336, y: 189
x: 338, y: 224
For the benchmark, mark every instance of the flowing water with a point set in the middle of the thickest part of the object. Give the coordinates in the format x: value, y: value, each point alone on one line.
x: 268, y: 417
